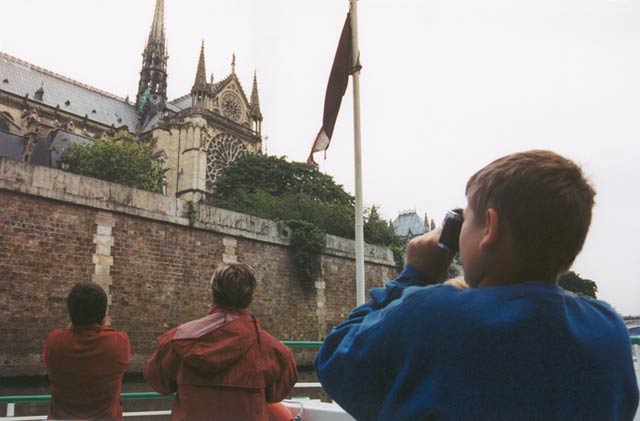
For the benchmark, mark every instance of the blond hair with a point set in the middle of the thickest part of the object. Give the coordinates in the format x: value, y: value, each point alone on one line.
x: 233, y: 285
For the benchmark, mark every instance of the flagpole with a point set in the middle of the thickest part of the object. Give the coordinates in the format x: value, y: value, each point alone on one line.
x: 357, y: 157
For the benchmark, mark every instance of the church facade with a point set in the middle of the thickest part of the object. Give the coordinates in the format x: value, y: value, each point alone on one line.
x: 197, y: 135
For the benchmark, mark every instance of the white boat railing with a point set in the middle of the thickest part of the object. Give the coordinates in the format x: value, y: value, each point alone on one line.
x: 306, y: 409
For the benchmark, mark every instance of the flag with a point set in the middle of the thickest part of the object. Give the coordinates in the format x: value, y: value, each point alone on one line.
x: 337, y: 86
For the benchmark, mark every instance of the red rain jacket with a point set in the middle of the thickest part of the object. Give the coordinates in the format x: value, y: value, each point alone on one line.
x: 85, y: 366
x: 223, y: 366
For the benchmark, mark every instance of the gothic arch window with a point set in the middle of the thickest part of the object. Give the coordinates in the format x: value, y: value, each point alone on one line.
x: 5, y: 121
x: 222, y: 150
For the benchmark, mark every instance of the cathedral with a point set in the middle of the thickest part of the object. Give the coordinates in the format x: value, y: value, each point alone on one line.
x: 43, y: 113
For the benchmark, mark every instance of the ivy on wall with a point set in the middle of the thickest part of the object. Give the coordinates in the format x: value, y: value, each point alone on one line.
x: 308, y: 242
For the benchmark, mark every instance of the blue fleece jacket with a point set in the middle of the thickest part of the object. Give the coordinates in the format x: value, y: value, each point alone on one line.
x: 527, y: 351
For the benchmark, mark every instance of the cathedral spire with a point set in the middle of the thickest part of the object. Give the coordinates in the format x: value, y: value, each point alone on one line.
x: 254, y: 104
x: 201, y: 74
x: 157, y: 26
x: 153, y: 76
x: 254, y: 107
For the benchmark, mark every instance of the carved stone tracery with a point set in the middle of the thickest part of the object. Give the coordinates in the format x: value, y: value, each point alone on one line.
x: 222, y: 150
x: 31, y: 118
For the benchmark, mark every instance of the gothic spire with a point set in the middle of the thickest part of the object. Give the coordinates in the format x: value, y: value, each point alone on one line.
x: 201, y: 74
x: 254, y: 104
x: 157, y: 26
x: 153, y: 76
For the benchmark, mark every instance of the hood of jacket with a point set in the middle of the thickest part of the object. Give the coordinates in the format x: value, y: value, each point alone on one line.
x: 216, y: 341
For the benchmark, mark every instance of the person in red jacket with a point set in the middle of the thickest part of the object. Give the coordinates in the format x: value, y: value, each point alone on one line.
x: 86, y: 360
x: 223, y: 366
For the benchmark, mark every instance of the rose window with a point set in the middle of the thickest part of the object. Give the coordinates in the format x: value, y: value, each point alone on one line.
x: 222, y: 150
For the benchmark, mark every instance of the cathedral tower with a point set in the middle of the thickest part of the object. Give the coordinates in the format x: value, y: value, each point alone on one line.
x: 152, y: 88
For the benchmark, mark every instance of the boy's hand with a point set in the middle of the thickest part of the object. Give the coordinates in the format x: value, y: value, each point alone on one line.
x: 458, y: 283
x: 424, y: 254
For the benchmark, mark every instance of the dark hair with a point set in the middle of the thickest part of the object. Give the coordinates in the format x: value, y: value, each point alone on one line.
x: 233, y: 286
x: 87, y: 304
x: 546, y: 201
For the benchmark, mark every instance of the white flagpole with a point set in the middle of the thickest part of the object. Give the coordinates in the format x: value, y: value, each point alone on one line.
x: 357, y: 158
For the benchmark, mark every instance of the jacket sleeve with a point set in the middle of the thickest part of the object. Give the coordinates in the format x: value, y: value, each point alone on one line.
x: 285, y: 375
x: 161, y: 369
x: 46, y: 352
x: 124, y: 350
x: 354, y: 361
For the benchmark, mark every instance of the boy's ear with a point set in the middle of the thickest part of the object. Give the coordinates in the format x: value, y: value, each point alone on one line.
x: 491, y: 229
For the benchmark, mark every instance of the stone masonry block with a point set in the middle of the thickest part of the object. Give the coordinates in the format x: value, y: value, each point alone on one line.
x: 102, y: 260
x: 103, y: 230
x: 103, y: 239
x: 102, y: 280
x: 227, y: 258
x: 105, y: 218
x: 103, y: 249
x: 103, y: 269
x: 229, y: 242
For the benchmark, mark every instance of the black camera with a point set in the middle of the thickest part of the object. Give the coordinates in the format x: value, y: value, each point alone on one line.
x: 450, y: 237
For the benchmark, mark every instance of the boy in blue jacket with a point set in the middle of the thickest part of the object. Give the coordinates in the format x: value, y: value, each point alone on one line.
x: 513, y: 346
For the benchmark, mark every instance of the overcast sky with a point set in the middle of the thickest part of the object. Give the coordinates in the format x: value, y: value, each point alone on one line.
x: 446, y: 87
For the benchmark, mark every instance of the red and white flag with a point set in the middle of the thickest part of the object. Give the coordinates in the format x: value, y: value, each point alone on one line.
x: 337, y: 86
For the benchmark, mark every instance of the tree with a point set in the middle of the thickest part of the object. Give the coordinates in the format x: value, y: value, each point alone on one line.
x: 571, y: 281
x: 124, y: 161
x: 378, y: 231
x: 273, y: 188
x: 310, y: 202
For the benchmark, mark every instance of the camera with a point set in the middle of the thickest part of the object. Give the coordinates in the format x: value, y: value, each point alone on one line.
x: 450, y: 237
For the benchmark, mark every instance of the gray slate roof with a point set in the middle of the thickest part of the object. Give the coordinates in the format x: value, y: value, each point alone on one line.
x: 56, y: 143
x: 19, y: 78
x: 180, y: 103
x: 408, y: 224
x: 46, y: 151
x: 11, y: 145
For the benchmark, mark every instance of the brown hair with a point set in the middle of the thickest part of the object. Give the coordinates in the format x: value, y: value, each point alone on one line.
x: 233, y: 285
x: 546, y: 201
x: 87, y: 304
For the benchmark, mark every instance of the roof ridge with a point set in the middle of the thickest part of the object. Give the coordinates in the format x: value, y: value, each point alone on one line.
x: 62, y: 77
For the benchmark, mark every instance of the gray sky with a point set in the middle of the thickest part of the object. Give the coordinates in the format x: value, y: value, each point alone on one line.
x: 447, y: 86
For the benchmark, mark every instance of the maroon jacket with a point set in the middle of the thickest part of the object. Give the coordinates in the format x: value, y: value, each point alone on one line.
x: 223, y: 366
x: 85, y: 366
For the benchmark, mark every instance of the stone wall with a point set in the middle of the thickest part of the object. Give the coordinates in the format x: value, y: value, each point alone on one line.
x: 57, y: 229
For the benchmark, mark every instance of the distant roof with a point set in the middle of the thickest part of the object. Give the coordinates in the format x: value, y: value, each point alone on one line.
x: 11, y: 145
x: 408, y: 224
x: 20, y: 78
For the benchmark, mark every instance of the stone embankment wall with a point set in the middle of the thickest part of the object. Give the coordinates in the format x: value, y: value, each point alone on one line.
x: 154, y: 255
